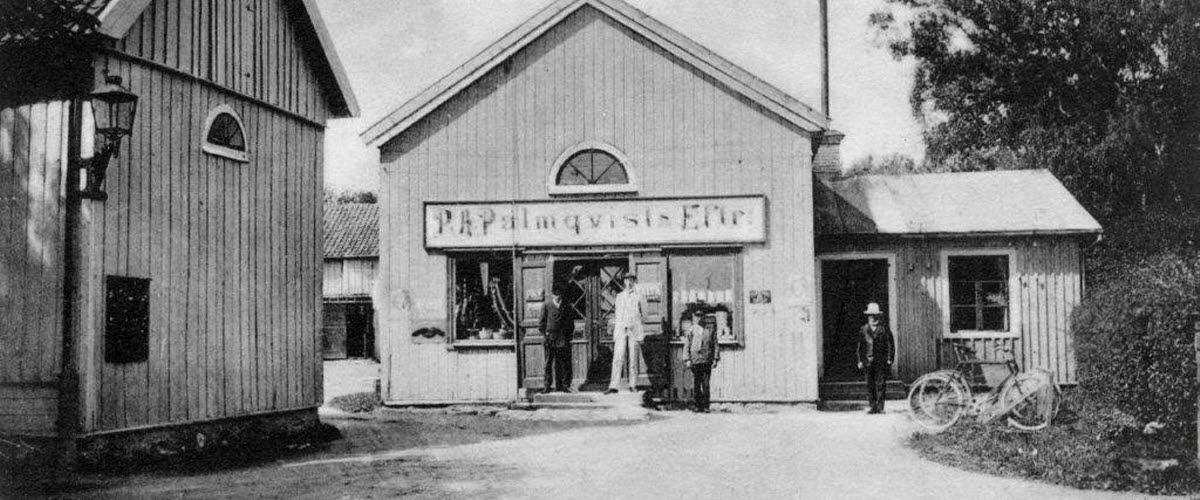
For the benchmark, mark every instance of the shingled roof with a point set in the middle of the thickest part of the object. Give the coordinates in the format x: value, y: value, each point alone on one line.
x: 351, y: 230
x: 960, y: 203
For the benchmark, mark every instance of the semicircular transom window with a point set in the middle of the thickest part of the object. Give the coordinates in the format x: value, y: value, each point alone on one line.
x: 225, y: 131
x: 224, y: 135
x: 592, y: 167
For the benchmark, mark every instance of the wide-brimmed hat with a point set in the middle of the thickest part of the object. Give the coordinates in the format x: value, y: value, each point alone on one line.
x: 872, y: 309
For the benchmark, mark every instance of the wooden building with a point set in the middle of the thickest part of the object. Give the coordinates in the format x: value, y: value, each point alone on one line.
x: 191, y: 295
x: 591, y: 142
x: 351, y: 256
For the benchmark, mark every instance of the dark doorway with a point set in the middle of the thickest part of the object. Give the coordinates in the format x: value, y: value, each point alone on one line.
x: 847, y: 287
x: 348, y: 330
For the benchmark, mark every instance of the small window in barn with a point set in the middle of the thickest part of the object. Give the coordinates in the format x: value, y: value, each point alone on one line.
x: 979, y: 293
x: 127, y: 323
x: 483, y: 306
x: 224, y: 134
x: 591, y: 168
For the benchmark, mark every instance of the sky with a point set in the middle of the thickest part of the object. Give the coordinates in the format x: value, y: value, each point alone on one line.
x: 393, y: 49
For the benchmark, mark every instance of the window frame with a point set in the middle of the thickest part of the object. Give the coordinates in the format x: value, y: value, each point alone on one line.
x: 217, y: 149
x: 1014, y: 309
x: 556, y: 189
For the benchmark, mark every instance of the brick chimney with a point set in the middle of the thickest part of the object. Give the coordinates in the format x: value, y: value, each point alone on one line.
x: 827, y: 160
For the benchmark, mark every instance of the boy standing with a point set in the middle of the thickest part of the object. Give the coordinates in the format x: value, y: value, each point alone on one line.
x: 700, y: 345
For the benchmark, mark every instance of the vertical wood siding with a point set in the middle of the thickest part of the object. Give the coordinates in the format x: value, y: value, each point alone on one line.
x: 252, y: 47
x: 32, y: 150
x: 1050, y: 286
x: 349, y: 277
x: 232, y: 251
x: 588, y: 79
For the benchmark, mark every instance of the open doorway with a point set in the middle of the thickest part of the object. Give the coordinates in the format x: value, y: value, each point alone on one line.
x: 847, y: 286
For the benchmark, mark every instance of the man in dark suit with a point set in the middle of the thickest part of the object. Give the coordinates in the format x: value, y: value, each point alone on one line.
x: 876, y: 353
x: 557, y: 325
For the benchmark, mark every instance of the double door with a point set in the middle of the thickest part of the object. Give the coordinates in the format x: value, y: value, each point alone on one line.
x: 590, y: 286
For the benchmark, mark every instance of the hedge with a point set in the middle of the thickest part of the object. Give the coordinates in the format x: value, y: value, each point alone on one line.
x: 1135, y: 340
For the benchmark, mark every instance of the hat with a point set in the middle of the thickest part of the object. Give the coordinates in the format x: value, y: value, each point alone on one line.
x: 630, y: 276
x: 872, y: 309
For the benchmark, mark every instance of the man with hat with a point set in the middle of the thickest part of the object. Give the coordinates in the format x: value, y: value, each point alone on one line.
x: 876, y: 353
x: 630, y: 310
x: 557, y: 326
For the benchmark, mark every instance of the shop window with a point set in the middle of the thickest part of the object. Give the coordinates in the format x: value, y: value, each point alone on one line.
x: 483, y: 297
x: 709, y: 281
x: 127, y: 319
x: 224, y: 134
x: 979, y: 293
x: 591, y: 168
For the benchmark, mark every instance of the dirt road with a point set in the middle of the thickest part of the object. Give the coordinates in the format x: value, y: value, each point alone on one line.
x: 791, y: 454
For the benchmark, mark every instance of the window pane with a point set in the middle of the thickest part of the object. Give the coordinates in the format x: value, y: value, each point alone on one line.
x: 995, y: 293
x: 962, y: 293
x: 225, y: 132
x: 483, y: 301
x: 962, y: 318
x: 995, y: 319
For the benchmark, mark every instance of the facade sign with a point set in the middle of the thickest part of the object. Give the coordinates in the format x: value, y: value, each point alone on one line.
x: 736, y: 219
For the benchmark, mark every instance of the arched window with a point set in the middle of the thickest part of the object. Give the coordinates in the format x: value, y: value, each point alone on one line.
x: 224, y: 134
x: 591, y: 168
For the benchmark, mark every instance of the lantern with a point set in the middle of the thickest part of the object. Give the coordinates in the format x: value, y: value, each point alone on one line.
x: 113, y: 108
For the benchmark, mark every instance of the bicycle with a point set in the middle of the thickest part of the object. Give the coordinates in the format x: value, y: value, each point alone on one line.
x: 1029, y: 399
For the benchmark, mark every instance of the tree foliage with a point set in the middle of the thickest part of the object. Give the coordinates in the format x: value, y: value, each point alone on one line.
x: 349, y: 196
x: 1104, y: 93
x: 890, y: 164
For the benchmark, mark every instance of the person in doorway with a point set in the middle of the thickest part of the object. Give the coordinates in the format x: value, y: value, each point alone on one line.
x: 630, y: 309
x: 557, y: 326
x: 700, y: 346
x: 876, y: 353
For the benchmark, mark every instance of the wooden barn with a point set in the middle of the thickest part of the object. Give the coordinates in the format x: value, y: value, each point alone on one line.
x: 351, y: 256
x: 594, y: 141
x: 162, y: 264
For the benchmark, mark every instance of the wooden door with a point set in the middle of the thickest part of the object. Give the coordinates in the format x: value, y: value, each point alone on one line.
x: 590, y: 287
x: 847, y: 287
x: 654, y: 364
x: 533, y: 288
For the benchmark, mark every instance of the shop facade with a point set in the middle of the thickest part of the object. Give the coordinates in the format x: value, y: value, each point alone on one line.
x: 589, y: 143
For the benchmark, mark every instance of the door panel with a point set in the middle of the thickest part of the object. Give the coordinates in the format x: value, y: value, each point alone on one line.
x: 533, y: 287
x: 655, y: 363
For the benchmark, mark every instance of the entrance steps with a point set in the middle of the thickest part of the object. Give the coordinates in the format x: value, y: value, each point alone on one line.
x: 857, y: 391
x: 584, y: 400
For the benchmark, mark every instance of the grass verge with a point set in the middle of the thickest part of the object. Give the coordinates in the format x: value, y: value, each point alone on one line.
x: 1099, y: 449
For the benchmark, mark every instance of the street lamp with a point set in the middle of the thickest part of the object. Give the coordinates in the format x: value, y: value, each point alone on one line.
x: 113, y: 108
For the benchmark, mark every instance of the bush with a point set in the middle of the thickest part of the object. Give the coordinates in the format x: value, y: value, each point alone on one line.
x: 359, y: 402
x: 1134, y: 341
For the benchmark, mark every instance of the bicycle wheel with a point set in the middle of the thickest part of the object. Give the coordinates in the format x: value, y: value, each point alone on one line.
x: 1033, y: 398
x: 937, y: 400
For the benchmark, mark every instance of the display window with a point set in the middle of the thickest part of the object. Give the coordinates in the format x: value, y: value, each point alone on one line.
x: 709, y: 281
x: 482, y: 302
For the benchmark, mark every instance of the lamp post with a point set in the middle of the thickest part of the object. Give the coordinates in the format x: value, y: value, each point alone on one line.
x: 114, y: 108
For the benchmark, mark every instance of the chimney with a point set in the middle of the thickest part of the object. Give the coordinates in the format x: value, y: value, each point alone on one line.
x: 827, y: 159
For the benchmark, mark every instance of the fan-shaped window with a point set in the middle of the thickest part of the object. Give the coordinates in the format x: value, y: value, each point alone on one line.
x: 591, y: 168
x: 224, y: 134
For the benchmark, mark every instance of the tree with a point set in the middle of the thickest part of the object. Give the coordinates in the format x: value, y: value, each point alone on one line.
x: 349, y: 196
x: 1101, y: 92
x: 892, y: 164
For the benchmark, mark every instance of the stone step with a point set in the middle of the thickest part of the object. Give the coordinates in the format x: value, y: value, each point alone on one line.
x: 853, y: 391
x: 582, y: 400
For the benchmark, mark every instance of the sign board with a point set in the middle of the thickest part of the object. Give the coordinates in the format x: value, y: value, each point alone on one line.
x: 734, y: 219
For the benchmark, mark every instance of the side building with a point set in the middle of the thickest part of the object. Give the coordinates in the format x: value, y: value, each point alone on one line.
x: 351, y: 257
x: 182, y: 285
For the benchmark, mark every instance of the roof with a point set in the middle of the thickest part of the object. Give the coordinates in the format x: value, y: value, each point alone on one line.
x: 687, y: 50
x: 996, y: 202
x: 113, y: 18
x: 351, y: 230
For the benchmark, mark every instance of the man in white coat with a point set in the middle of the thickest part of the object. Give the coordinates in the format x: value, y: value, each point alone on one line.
x: 627, y: 335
